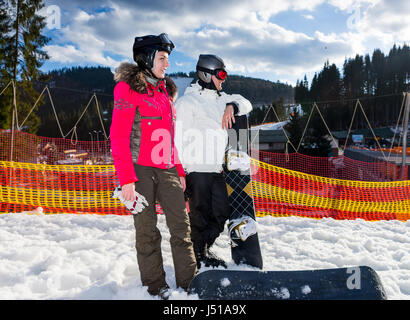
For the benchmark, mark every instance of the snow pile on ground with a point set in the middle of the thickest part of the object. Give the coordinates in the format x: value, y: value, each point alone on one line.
x: 67, y: 256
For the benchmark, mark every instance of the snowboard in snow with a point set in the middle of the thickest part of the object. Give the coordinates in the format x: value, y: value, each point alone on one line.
x: 245, y: 247
x: 356, y: 283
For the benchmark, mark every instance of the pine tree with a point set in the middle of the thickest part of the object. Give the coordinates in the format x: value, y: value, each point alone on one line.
x: 23, y: 56
x: 378, y: 74
x: 326, y: 86
x: 5, y: 66
x: 302, y: 95
x: 294, y: 129
x: 368, y: 81
x: 354, y: 76
x: 280, y: 109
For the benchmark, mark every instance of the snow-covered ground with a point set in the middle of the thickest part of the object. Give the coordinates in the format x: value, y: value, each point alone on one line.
x: 67, y: 256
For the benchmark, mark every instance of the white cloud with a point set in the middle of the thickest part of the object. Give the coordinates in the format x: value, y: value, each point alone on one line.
x: 241, y: 33
x: 351, y: 5
x: 392, y: 19
x: 69, y: 54
x: 308, y: 16
x: 267, y: 47
x: 375, y: 23
x: 64, y: 54
x: 82, y: 17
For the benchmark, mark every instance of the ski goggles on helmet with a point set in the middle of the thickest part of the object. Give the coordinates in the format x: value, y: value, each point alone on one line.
x: 221, y: 74
x: 161, y: 41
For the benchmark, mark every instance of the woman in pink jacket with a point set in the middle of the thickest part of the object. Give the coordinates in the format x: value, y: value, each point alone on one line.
x: 147, y: 164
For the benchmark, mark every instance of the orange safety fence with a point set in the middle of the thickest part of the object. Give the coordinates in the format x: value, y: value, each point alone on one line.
x: 283, y: 192
x: 67, y: 176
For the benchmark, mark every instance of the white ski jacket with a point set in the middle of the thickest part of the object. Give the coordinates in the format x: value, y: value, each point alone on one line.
x: 199, y: 137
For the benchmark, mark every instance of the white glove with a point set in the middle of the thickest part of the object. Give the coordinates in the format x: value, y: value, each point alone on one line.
x: 135, y: 206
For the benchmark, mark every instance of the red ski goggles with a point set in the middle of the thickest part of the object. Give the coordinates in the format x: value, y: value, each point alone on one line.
x: 221, y: 74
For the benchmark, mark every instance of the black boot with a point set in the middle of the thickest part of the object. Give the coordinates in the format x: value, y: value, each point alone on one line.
x: 200, y: 253
x: 164, y: 293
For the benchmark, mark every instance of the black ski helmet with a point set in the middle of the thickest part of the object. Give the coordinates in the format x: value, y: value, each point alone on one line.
x: 146, y: 47
x: 208, y: 65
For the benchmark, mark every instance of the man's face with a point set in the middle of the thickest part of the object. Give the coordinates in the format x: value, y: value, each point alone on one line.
x: 217, y: 82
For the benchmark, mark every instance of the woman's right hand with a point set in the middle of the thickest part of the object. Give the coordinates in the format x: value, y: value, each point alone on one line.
x: 128, y: 191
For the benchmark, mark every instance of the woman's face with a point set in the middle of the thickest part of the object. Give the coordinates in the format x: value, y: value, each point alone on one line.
x: 161, y: 64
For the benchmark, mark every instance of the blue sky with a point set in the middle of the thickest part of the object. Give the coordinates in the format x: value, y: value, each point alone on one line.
x: 269, y: 39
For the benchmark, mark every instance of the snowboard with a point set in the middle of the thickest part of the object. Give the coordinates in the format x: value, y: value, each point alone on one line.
x: 239, y: 187
x: 356, y: 283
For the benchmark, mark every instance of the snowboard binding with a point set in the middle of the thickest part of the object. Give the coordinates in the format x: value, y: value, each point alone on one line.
x: 237, y: 160
x: 135, y: 206
x: 241, y: 229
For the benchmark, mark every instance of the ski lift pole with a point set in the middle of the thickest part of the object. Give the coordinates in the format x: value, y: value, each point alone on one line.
x: 13, y: 117
x: 405, y: 131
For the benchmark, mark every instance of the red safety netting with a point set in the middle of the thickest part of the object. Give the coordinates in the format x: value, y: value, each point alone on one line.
x: 340, y: 167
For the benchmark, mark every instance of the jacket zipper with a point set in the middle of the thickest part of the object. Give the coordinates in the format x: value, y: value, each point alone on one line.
x: 172, y: 118
x: 172, y: 134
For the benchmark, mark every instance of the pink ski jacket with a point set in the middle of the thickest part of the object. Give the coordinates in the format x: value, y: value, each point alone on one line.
x: 143, y: 124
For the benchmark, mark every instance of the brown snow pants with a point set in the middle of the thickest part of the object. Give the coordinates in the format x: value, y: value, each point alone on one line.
x: 164, y: 186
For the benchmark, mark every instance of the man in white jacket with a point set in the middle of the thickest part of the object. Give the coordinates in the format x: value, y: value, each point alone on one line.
x: 204, y: 114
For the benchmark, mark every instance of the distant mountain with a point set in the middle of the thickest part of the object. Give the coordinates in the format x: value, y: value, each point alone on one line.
x: 257, y: 91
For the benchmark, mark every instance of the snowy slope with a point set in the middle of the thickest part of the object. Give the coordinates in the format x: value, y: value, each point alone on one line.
x: 271, y: 126
x: 93, y: 257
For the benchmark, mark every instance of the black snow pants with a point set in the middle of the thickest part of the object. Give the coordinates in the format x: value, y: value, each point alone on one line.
x: 208, y: 204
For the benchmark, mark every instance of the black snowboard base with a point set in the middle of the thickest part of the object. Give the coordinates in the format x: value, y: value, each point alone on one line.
x: 356, y: 283
x: 248, y: 252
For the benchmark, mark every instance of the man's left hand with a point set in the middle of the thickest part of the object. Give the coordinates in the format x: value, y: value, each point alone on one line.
x: 228, y: 118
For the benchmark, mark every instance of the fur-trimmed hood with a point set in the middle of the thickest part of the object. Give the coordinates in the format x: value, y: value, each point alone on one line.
x: 132, y: 75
